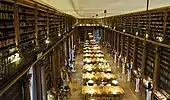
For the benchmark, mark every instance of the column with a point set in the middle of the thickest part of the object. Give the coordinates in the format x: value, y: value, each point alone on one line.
x: 118, y: 44
x: 115, y: 58
x: 72, y: 53
x: 16, y: 27
x: 85, y: 35
x: 44, y: 91
x: 38, y: 81
x: 65, y: 51
x: 75, y: 38
x: 72, y: 45
x: 58, y: 72
x: 106, y: 37
x: 134, y: 54
x: 119, y: 58
x: 156, y: 68
x: 123, y: 67
x: 137, y: 84
x: 127, y: 53
x: 54, y: 66
x: 143, y: 67
x: 111, y: 39
x: 26, y: 84
x: 148, y: 94
x: 122, y: 48
x: 67, y: 45
x: 36, y: 26
x: 129, y: 71
x: 129, y: 75
x: 118, y: 52
x: 114, y: 46
x: 103, y: 35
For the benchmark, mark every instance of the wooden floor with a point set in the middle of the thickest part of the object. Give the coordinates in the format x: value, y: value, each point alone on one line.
x: 76, y: 85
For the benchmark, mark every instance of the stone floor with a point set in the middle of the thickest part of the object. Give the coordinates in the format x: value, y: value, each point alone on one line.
x: 76, y: 85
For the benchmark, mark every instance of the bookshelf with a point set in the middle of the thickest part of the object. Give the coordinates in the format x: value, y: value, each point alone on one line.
x: 123, y: 22
x: 165, y: 70
x: 142, y: 24
x: 52, y: 25
x: 61, y: 25
x: 25, y: 25
x: 69, y: 24
x: 57, y: 23
x: 113, y: 22
x: 139, y: 54
x: 114, y: 46
x: 121, y: 44
x: 27, y: 28
x: 118, y: 43
x: 15, y: 91
x: 156, y: 25
x: 135, y: 23
x: 46, y: 65
x: 118, y: 23
x: 125, y: 46
x: 42, y: 25
x: 150, y: 60
x: 167, y: 28
x: 114, y: 40
x: 131, y: 48
x: 7, y: 38
x: 128, y: 23
x: 64, y: 24
x: 111, y: 40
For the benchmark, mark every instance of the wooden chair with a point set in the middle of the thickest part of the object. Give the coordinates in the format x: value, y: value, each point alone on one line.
x: 104, y: 96
x: 118, y: 96
x: 94, y: 79
x: 84, y: 83
x: 98, y: 82
x: 110, y: 96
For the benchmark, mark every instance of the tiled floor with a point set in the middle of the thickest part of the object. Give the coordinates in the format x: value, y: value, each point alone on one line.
x: 77, y: 80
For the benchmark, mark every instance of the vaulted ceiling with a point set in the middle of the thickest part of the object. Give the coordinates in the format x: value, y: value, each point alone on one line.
x: 89, y: 8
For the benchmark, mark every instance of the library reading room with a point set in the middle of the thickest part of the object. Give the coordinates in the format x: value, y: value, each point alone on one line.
x: 80, y: 50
